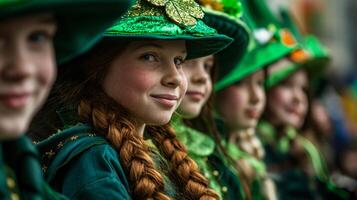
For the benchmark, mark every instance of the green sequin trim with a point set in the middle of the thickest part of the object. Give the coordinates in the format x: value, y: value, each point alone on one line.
x: 157, y: 25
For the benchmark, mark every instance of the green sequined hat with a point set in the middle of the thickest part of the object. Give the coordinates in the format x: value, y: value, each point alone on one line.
x: 225, y: 17
x: 80, y: 23
x: 170, y: 20
x: 270, y: 42
x: 310, y: 55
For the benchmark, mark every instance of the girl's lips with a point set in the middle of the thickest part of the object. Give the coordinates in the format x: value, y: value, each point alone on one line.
x: 166, y: 100
x: 294, y: 111
x: 195, y: 95
x: 252, y: 113
x: 15, y: 100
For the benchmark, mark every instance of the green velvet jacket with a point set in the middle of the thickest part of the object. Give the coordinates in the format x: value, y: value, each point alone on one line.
x: 202, y: 149
x: 20, y: 172
x: 83, y: 165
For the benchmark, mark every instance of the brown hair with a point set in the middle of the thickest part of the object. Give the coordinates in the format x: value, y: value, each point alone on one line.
x: 298, y: 155
x: 205, y: 123
x: 113, y: 122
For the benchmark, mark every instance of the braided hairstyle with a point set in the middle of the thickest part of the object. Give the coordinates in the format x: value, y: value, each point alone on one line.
x: 145, y: 180
x: 115, y: 124
x: 183, y: 168
x: 206, y: 123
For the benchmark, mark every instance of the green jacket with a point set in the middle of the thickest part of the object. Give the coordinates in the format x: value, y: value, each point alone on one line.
x: 202, y: 149
x: 20, y: 172
x: 83, y: 165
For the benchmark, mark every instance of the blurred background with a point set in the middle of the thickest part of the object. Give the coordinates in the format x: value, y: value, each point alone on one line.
x: 335, y: 24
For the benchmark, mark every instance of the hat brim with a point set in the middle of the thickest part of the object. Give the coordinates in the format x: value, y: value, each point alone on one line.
x: 234, y: 28
x: 200, y: 39
x: 314, y: 65
x: 80, y: 23
x: 274, y: 79
x: 319, y: 57
x: 259, y: 57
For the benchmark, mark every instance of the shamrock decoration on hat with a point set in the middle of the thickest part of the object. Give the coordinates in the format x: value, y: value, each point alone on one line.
x: 183, y: 12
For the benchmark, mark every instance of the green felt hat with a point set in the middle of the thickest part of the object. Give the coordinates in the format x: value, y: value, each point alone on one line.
x: 170, y: 20
x: 225, y: 17
x: 310, y: 56
x: 80, y: 22
x: 270, y: 43
x: 280, y: 73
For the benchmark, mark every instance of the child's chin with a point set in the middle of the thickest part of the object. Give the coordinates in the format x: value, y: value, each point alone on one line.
x: 160, y: 121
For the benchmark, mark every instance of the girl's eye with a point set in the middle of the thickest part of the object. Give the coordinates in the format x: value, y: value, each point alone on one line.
x: 149, y: 57
x: 179, y: 61
x: 208, y: 67
x: 40, y: 37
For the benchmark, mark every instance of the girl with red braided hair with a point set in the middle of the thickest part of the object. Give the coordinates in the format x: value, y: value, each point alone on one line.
x: 113, y: 106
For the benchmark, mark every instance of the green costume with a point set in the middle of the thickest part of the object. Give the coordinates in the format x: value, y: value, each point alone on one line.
x: 83, y: 165
x: 20, y: 174
x: 202, y: 149
x: 313, y: 56
x: 292, y: 181
x: 270, y: 42
x: 78, y: 29
x: 225, y: 17
x: 169, y: 20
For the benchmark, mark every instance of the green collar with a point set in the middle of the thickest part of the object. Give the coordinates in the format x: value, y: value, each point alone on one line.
x: 269, y: 135
x: 21, y: 163
x: 283, y: 146
x: 197, y: 143
x: 237, y: 154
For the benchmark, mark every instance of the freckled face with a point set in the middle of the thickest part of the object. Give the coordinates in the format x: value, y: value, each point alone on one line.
x: 147, y: 79
x: 27, y: 70
x: 199, y: 90
x: 241, y: 104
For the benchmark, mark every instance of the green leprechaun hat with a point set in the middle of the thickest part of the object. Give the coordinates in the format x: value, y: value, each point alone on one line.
x: 80, y: 23
x: 225, y: 17
x: 270, y: 42
x: 310, y: 55
x: 170, y: 20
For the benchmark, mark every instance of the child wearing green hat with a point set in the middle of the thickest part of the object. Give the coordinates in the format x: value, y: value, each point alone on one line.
x: 296, y: 161
x: 194, y: 122
x: 32, y: 35
x: 241, y: 95
x: 114, y: 141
